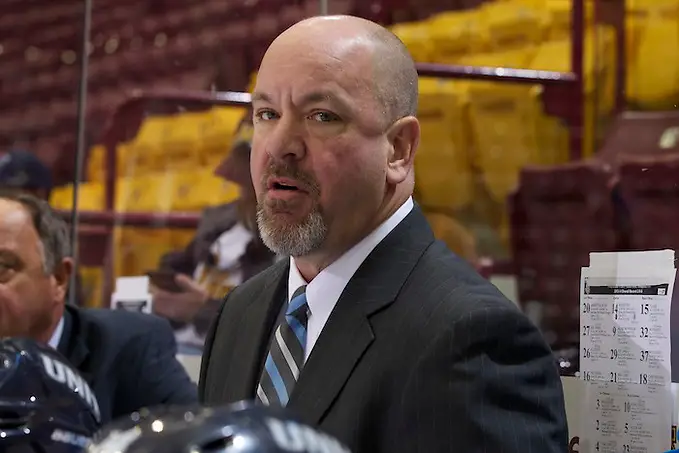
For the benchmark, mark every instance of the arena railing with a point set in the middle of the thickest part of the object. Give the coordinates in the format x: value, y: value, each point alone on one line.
x: 562, y: 97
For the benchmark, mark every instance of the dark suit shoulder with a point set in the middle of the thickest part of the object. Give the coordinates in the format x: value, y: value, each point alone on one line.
x: 452, y: 284
x: 254, y: 285
x: 125, y: 325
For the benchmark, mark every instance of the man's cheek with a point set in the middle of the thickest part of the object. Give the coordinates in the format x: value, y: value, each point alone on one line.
x: 13, y: 315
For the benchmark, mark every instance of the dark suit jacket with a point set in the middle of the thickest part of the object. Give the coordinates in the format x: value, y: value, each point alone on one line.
x: 127, y: 358
x: 420, y: 354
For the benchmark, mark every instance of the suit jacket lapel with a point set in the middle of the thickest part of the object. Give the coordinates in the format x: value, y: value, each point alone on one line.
x: 72, y: 344
x: 252, y: 333
x: 348, y: 333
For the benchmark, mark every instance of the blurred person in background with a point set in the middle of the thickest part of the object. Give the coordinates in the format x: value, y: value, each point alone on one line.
x: 24, y: 171
x: 127, y: 358
x: 225, y: 251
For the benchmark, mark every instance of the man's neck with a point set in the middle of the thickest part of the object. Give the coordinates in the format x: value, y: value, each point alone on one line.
x: 309, y: 266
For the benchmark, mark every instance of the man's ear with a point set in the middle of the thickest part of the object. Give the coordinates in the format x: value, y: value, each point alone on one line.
x: 62, y: 277
x: 404, y: 138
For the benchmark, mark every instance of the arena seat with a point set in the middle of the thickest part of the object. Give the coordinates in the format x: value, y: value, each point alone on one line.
x: 599, y: 76
x: 641, y: 133
x: 502, y: 119
x: 139, y: 249
x: 444, y: 176
x: 218, y: 132
x: 510, y: 25
x: 144, y: 152
x: 558, y: 216
x: 454, y: 35
x: 649, y: 187
x: 90, y: 197
x: 653, y: 24
x: 196, y: 189
x: 180, y: 146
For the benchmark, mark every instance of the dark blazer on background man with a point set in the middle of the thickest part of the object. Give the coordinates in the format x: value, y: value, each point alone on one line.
x: 420, y: 354
x: 127, y: 358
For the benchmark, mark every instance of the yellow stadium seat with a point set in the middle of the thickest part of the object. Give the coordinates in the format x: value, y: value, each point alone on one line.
x: 139, y: 249
x: 144, y: 151
x: 503, y: 120
x: 220, y: 126
x: 558, y: 17
x: 183, y: 145
x: 151, y: 192
x: 91, y: 281
x: 599, y: 75
x: 90, y: 197
x: 97, y: 163
x: 443, y: 173
x: 195, y: 190
x: 252, y: 82
x: 653, y: 54
x: 415, y: 35
x: 456, y: 34
x: 62, y: 197
x: 511, y: 25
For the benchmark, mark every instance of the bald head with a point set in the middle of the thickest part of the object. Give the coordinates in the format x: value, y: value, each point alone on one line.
x: 394, y: 77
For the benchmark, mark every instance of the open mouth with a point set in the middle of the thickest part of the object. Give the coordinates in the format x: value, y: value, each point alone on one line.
x: 283, y: 184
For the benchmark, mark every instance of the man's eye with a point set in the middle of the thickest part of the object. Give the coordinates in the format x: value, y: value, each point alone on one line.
x: 5, y: 272
x: 266, y: 115
x: 324, y: 117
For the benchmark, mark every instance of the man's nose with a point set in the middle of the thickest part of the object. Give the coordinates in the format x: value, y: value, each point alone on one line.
x: 286, y: 141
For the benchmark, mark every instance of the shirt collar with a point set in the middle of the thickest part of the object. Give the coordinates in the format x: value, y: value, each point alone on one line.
x: 56, y: 335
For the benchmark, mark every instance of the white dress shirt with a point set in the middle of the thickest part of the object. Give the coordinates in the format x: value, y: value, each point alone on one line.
x: 56, y: 335
x: 325, y: 289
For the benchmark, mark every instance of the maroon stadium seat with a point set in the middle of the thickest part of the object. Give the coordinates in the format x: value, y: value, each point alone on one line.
x: 558, y: 215
x: 649, y: 187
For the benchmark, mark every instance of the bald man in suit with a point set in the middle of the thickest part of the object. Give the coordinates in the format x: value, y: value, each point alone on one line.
x: 372, y: 329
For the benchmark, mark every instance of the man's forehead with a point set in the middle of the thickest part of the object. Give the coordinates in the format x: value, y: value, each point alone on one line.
x: 347, y: 63
x: 15, y: 222
x: 307, y: 85
x: 13, y: 214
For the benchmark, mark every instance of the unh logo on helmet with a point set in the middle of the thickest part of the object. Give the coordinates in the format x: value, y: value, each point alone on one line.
x: 65, y: 375
x: 291, y: 436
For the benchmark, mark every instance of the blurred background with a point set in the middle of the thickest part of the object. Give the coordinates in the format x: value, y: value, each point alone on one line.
x: 550, y: 127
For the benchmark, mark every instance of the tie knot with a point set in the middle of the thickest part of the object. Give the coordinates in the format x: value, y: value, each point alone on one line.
x: 298, y: 303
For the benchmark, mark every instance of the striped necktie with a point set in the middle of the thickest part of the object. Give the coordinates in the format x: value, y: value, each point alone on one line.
x: 286, y: 353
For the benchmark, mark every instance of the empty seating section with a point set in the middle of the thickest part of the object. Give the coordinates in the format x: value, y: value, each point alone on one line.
x: 558, y: 215
x: 650, y: 187
x: 492, y: 171
x: 653, y: 31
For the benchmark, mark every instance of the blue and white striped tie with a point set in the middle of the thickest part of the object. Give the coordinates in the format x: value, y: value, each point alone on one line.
x: 286, y: 354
